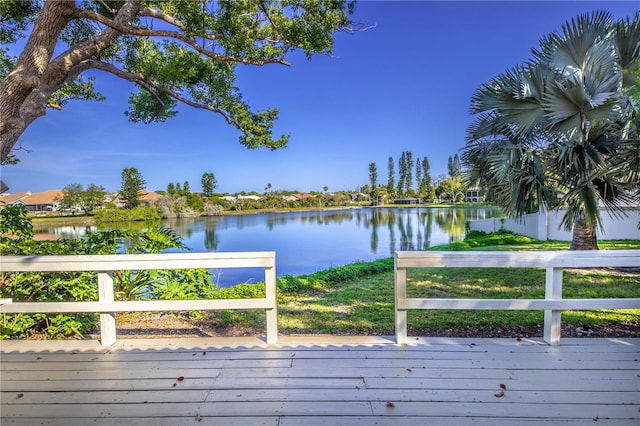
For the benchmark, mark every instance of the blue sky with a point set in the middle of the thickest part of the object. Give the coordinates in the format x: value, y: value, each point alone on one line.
x: 402, y: 85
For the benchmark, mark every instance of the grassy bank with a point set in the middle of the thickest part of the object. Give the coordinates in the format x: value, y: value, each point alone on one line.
x: 358, y: 298
x: 48, y: 221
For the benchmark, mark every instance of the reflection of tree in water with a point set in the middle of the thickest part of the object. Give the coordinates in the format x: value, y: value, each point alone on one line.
x: 375, y: 223
x: 320, y: 218
x: 408, y: 228
x: 423, y: 235
x: 392, y: 232
x: 211, y: 239
x: 399, y: 222
x: 428, y: 222
x: 452, y: 222
x: 404, y: 243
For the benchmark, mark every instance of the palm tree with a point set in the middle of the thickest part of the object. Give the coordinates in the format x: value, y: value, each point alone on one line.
x: 560, y: 130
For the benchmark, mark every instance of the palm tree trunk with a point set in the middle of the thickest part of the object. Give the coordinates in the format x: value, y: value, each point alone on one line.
x: 584, y: 236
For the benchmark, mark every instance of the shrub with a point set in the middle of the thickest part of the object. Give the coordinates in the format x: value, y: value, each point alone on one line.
x: 16, y: 238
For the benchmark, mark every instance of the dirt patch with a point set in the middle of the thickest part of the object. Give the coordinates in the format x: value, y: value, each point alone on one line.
x: 145, y: 325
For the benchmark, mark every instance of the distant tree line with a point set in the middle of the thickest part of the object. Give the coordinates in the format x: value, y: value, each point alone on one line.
x: 421, y: 185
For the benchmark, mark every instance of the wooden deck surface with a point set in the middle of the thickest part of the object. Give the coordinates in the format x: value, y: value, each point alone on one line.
x: 321, y: 381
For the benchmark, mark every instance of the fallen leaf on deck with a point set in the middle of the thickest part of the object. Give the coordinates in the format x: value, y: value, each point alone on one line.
x: 499, y: 394
x: 503, y: 386
x: 181, y: 378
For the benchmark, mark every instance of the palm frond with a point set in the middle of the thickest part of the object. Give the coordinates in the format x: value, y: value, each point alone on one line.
x: 570, y: 48
x: 627, y: 45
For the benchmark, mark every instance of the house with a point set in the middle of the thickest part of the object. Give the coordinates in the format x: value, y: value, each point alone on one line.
x: 46, y: 201
x: 305, y: 196
x: 236, y: 198
x: 9, y: 199
x: 297, y: 197
x: 474, y: 195
x: 145, y: 198
x: 148, y: 198
x: 408, y: 200
x: 38, y: 202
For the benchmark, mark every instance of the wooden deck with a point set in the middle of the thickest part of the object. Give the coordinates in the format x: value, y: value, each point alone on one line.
x: 321, y: 381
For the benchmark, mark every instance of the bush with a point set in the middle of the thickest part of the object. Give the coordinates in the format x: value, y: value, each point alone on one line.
x: 501, y: 237
x: 454, y: 246
x: 16, y: 238
x: 482, y: 239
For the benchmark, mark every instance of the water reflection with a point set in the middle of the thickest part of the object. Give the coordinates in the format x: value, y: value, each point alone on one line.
x: 308, y: 241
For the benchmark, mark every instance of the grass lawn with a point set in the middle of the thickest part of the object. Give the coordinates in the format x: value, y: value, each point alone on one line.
x: 358, y: 298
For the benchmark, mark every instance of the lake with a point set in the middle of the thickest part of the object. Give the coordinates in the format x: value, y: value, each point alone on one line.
x: 308, y: 241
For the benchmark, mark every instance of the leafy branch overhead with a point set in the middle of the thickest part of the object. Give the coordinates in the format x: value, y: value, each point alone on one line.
x: 173, y: 52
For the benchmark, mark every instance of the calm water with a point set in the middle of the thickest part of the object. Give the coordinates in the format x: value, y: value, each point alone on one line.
x: 305, y: 242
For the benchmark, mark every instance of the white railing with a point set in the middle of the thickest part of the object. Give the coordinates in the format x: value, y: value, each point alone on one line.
x: 553, y: 304
x: 106, y: 306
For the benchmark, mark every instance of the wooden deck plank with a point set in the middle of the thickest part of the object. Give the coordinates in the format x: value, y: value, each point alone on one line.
x: 317, y: 421
x: 150, y: 372
x: 250, y: 354
x: 361, y: 382
x: 542, y: 412
x: 149, y: 421
x: 323, y: 394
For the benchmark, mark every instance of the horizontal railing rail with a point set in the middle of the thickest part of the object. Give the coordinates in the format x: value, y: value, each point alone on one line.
x: 553, y: 304
x: 106, y: 306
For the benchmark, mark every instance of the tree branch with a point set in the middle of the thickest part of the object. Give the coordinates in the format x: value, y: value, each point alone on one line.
x: 147, y: 84
x: 106, y: 6
x: 171, y: 20
x: 266, y: 14
x: 146, y: 32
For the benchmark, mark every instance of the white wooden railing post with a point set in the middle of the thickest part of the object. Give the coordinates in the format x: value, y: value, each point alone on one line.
x: 400, y: 293
x: 553, y: 291
x: 272, y: 313
x: 107, y: 320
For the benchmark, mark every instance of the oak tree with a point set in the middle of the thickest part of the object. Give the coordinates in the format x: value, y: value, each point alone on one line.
x: 172, y: 52
x: 75, y: 196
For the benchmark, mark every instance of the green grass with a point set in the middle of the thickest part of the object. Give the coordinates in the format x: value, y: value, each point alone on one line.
x: 358, y: 298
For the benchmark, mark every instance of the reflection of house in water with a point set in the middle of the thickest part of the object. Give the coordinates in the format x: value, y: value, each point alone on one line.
x: 67, y: 232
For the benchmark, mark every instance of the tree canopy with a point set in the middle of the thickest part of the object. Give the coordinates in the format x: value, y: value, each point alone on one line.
x: 172, y: 52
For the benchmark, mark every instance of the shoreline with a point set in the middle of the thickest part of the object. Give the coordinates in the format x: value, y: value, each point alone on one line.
x: 40, y: 222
